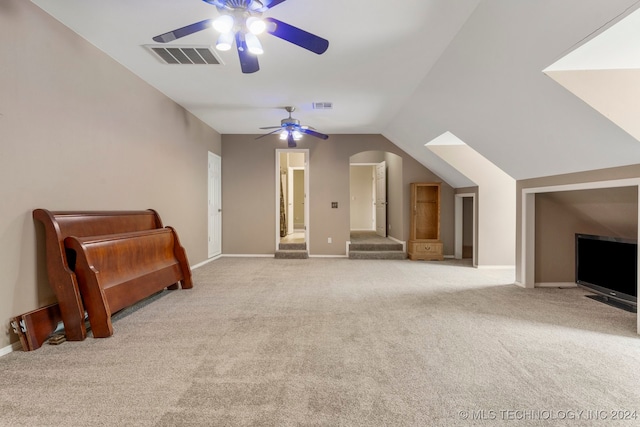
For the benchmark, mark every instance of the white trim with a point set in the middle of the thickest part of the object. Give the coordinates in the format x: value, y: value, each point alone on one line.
x: 16, y: 346
x: 458, y: 223
x: 328, y: 256
x: 556, y: 285
x: 248, y: 255
x: 497, y: 267
x: 205, y: 262
x: 404, y: 244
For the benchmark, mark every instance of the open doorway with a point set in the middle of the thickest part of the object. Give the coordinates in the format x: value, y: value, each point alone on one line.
x: 368, y: 198
x: 465, y: 234
x: 292, y: 207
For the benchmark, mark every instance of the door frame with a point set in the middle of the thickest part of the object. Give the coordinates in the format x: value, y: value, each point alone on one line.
x: 304, y: 151
x: 458, y: 223
x: 214, y: 229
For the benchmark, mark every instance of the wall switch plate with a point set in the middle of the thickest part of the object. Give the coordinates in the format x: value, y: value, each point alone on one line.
x: 329, y: 240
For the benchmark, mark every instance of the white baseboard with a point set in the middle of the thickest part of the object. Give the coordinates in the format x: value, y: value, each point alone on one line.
x: 328, y: 256
x: 16, y: 346
x: 247, y: 255
x: 555, y: 285
x: 504, y: 267
x: 205, y: 262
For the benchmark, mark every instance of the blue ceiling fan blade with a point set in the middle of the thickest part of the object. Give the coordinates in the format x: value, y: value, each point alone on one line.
x: 297, y: 36
x: 248, y: 62
x: 314, y: 133
x: 184, y: 31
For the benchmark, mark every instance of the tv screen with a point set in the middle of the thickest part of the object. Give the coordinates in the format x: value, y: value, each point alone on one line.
x: 608, y: 266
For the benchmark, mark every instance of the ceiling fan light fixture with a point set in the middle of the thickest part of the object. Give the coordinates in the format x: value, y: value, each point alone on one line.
x: 297, y: 135
x: 225, y: 41
x: 253, y: 44
x: 255, y: 25
x: 284, y: 134
x: 223, y: 24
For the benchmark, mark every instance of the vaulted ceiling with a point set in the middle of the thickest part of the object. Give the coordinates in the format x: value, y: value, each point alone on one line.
x: 408, y: 70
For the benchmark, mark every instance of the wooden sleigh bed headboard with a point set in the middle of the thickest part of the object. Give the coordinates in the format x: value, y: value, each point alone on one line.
x: 102, y: 262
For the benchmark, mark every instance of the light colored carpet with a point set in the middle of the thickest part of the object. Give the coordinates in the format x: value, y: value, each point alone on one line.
x: 336, y: 342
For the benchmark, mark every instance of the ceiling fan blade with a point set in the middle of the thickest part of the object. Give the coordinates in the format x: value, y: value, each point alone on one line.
x: 248, y: 62
x: 314, y: 133
x: 272, y: 127
x: 297, y: 36
x: 267, y: 134
x: 182, y: 32
x: 290, y: 141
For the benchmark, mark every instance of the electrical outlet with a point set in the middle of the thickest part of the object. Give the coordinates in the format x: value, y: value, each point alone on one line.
x: 334, y: 205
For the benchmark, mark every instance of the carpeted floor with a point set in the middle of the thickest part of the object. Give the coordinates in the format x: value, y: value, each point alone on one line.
x: 337, y: 342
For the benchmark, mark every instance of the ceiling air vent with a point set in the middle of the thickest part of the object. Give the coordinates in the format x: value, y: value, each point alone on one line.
x: 322, y: 105
x: 184, y: 55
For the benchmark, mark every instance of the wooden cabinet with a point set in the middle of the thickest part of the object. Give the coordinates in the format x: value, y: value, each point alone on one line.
x: 424, y: 239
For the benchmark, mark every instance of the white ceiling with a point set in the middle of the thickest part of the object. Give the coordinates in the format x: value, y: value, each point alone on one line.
x: 409, y: 70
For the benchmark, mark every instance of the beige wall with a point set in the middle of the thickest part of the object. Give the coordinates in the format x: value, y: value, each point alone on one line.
x: 80, y: 132
x: 248, y: 180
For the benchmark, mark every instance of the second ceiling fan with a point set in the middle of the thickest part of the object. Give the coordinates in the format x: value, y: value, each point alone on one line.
x: 240, y: 21
x: 291, y: 130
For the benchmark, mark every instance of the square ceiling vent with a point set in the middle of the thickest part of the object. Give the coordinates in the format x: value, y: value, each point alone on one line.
x: 184, y: 55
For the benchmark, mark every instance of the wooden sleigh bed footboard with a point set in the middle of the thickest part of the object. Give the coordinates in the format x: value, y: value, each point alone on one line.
x: 140, y: 260
x: 119, y: 270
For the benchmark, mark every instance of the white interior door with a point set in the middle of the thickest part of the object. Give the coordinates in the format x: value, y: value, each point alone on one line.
x: 215, y: 205
x: 381, y: 199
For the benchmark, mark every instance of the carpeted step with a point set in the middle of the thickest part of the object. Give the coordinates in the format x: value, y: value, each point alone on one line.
x: 369, y: 254
x: 375, y: 247
x: 292, y: 246
x: 292, y: 254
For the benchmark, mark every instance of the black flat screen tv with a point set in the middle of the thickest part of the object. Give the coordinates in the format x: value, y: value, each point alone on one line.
x: 608, y: 266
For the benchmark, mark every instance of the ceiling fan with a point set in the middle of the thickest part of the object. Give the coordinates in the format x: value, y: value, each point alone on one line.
x: 240, y: 21
x: 291, y: 130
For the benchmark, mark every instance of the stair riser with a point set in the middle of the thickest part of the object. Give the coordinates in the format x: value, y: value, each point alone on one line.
x: 377, y: 255
x: 292, y: 246
x: 375, y: 247
x: 291, y: 255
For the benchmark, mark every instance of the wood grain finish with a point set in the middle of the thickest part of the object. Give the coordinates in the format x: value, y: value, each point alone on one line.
x: 424, y: 238
x: 119, y: 270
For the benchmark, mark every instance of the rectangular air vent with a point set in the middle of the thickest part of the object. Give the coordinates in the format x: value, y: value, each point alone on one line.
x: 322, y: 105
x: 184, y: 55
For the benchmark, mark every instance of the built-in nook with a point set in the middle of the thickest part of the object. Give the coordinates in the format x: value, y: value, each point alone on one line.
x: 560, y: 215
x: 552, y: 215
